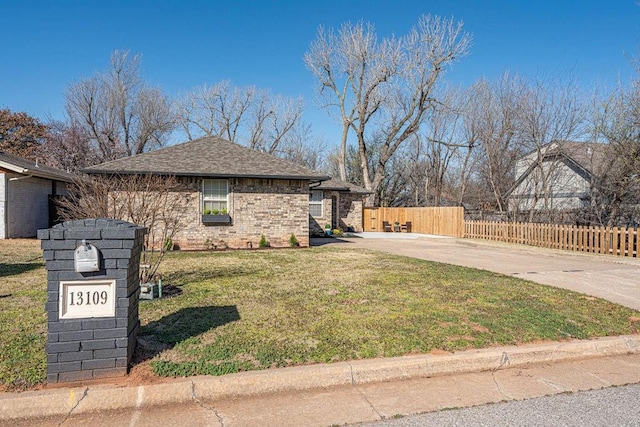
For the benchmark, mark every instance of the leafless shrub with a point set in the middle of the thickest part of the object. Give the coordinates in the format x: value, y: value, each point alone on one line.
x: 155, y: 202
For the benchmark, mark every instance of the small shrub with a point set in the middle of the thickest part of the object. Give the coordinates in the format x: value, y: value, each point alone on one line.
x: 336, y: 232
x: 293, y: 241
x: 223, y: 211
x: 209, y: 244
x: 207, y: 212
x: 215, y: 211
x: 168, y: 244
x: 264, y: 243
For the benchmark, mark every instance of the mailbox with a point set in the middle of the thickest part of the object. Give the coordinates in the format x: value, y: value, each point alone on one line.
x: 86, y: 258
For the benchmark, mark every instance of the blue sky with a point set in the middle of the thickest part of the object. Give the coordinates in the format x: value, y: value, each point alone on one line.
x: 49, y: 44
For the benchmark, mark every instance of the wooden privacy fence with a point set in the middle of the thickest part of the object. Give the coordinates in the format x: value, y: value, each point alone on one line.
x: 443, y: 221
x: 620, y: 241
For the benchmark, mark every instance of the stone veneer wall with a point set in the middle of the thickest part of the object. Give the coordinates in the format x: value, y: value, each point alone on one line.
x: 351, y: 211
x: 273, y: 207
x: 317, y: 223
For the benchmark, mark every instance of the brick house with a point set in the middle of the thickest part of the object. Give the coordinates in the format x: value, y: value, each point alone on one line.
x: 251, y: 193
x: 337, y: 203
x: 26, y: 192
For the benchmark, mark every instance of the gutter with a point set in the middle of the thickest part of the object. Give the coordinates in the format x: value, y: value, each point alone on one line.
x: 18, y: 178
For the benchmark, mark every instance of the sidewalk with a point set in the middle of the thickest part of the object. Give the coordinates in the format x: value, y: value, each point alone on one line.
x: 340, y: 393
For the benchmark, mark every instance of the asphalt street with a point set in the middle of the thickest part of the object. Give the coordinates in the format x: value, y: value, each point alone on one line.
x: 614, y: 406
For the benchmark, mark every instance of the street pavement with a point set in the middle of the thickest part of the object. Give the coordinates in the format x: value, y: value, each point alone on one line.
x: 613, y: 406
x: 384, y: 389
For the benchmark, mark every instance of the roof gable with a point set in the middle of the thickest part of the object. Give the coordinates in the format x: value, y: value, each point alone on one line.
x: 27, y: 167
x: 584, y: 158
x: 211, y: 157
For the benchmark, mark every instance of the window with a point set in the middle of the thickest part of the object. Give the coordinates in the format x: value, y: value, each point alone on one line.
x: 214, y: 195
x: 315, y: 203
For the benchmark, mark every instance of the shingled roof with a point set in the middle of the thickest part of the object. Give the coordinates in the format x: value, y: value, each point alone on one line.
x: 208, y: 157
x: 339, y: 185
x: 27, y: 167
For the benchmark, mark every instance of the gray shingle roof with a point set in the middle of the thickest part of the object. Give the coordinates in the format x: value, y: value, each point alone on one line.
x: 210, y: 157
x: 339, y: 185
x: 29, y: 167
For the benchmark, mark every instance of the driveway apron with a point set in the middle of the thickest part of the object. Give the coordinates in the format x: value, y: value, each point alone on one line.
x: 611, y: 278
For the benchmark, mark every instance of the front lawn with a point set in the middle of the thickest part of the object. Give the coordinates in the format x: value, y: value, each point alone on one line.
x: 246, y: 310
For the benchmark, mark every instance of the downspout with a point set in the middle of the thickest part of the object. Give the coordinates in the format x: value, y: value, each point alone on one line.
x: 5, y: 222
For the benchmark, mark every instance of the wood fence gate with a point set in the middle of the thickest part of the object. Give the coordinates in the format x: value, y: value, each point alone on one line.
x: 442, y: 221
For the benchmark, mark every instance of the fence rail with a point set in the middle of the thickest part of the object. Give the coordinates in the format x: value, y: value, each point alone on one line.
x: 619, y: 241
x: 443, y: 221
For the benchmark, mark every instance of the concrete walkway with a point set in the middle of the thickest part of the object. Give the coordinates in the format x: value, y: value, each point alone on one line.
x: 612, y: 278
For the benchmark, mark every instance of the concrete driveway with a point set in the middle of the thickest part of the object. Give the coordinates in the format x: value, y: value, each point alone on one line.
x: 611, y: 278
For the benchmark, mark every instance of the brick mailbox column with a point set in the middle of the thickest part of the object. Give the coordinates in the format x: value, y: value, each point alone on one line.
x: 92, y: 302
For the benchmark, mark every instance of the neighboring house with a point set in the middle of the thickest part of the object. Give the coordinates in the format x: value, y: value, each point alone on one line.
x: 259, y: 194
x: 27, y: 189
x: 336, y: 203
x: 556, y: 177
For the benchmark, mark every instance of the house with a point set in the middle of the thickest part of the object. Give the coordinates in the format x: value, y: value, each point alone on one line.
x: 253, y: 193
x: 337, y: 203
x: 27, y: 189
x: 556, y: 177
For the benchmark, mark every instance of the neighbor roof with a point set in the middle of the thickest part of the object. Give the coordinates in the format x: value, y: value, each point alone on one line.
x: 28, y: 167
x: 339, y: 185
x: 209, y: 157
x: 586, y: 158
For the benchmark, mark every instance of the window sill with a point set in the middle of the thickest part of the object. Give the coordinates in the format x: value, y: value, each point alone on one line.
x: 224, y: 219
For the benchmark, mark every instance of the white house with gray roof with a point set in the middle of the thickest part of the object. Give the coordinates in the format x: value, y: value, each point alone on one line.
x: 26, y: 192
x: 558, y: 176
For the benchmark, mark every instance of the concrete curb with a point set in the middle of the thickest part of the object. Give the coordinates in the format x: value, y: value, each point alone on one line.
x: 62, y: 402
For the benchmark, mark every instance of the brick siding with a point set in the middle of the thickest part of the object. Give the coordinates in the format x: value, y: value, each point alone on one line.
x: 274, y: 208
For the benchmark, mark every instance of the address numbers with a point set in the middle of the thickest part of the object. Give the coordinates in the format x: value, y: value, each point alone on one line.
x: 87, y: 298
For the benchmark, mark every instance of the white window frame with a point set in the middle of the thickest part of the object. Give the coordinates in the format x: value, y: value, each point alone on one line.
x: 313, y: 202
x: 206, y: 198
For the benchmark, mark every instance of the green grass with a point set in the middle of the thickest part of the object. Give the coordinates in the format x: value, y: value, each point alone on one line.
x: 246, y: 310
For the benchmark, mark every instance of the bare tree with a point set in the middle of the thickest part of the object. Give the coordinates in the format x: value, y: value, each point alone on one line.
x: 550, y: 114
x: 67, y: 147
x: 122, y: 115
x: 383, y: 87
x: 250, y: 116
x: 301, y: 146
x: 491, y: 119
x: 216, y: 110
x: 616, y: 189
x: 155, y: 202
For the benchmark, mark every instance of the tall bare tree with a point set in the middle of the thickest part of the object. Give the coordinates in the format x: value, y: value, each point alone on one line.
x: 122, y: 114
x: 491, y: 119
x: 250, y: 116
x: 616, y: 190
x: 67, y: 147
x: 549, y: 113
x: 383, y: 87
